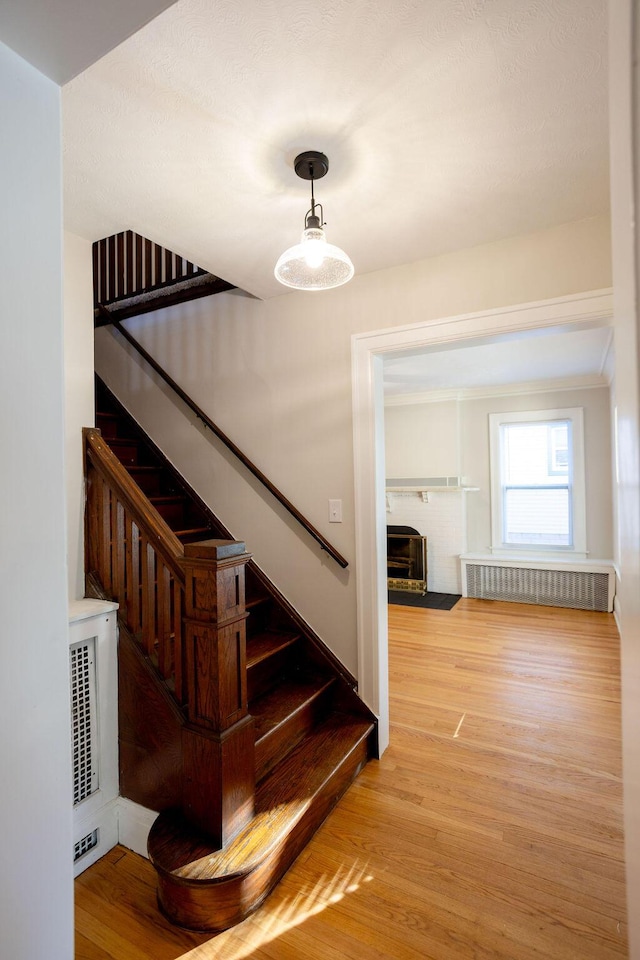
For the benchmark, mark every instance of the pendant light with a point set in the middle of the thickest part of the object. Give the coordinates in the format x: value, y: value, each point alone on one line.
x: 313, y: 264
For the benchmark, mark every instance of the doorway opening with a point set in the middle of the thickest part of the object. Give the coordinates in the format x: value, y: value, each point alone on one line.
x: 369, y: 351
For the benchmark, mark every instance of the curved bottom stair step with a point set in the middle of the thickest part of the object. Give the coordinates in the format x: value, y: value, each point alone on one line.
x: 205, y: 889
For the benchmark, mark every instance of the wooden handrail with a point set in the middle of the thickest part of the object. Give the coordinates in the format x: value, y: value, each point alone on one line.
x: 230, y: 445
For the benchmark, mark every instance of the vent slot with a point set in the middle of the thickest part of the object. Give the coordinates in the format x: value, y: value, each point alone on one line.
x: 84, y: 719
x: 579, y: 589
x: 87, y: 843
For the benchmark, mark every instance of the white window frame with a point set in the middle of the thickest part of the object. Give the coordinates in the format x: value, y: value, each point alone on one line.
x: 576, y: 550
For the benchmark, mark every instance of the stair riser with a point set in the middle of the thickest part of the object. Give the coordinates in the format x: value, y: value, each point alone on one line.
x: 107, y: 423
x: 264, y: 675
x: 279, y: 742
x: 217, y: 906
x: 149, y: 483
x: 126, y: 451
x: 172, y: 513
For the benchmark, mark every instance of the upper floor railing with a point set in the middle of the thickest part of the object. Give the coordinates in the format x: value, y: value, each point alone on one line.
x: 133, y: 275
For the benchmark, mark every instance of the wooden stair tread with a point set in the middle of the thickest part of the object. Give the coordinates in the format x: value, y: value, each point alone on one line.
x: 252, y: 602
x: 164, y: 498
x: 191, y: 531
x: 264, y: 645
x: 281, y: 800
x: 120, y: 441
x: 277, y: 706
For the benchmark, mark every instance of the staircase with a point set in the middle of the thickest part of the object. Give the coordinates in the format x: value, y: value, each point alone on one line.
x: 294, y: 733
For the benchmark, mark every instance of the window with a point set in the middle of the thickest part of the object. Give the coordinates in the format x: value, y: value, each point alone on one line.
x: 537, y: 474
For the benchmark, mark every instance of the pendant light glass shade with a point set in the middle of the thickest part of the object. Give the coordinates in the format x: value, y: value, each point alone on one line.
x: 313, y: 264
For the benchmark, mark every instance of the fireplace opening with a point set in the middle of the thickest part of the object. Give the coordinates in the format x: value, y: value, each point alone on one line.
x: 406, y: 560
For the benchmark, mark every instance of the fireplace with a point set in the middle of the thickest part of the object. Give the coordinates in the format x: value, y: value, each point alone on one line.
x: 406, y: 560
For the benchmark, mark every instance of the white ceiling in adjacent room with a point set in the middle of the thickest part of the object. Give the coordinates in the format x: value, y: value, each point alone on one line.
x: 578, y: 356
x: 447, y: 124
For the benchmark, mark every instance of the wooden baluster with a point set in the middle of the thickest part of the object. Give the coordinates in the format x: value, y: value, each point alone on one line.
x: 148, y: 575
x: 218, y: 741
x: 118, y: 550
x: 133, y: 576
x: 104, y: 279
x: 164, y: 621
x: 139, y: 264
x: 120, y: 265
x: 178, y: 649
x: 92, y: 551
x: 148, y: 263
x: 111, y: 278
x: 95, y: 251
x: 157, y: 270
x: 128, y: 288
x: 104, y: 534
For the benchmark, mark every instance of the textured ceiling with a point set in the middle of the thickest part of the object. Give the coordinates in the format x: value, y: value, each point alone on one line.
x: 448, y: 123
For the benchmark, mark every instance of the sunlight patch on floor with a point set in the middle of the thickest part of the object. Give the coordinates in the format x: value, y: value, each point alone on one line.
x: 281, y: 913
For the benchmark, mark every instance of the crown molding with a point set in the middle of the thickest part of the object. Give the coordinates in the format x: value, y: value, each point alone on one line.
x: 587, y: 382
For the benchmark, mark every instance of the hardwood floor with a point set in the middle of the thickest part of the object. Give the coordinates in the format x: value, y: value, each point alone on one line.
x: 491, y: 828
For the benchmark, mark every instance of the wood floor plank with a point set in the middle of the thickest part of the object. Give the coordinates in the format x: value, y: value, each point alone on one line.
x: 491, y: 828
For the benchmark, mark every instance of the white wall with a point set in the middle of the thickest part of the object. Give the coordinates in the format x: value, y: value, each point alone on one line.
x: 422, y: 439
x: 276, y: 376
x: 36, y: 906
x: 451, y: 438
x: 79, y: 390
x: 624, y: 101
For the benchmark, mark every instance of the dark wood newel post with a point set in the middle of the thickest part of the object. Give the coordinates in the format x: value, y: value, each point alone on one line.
x: 218, y: 741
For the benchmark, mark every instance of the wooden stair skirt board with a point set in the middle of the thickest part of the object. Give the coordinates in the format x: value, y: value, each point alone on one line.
x: 303, y: 737
x: 205, y: 889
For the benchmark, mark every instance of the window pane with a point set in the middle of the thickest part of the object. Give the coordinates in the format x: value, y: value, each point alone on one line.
x: 537, y: 515
x: 535, y: 453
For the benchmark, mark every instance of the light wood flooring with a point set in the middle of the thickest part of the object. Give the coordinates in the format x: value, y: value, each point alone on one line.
x: 491, y: 828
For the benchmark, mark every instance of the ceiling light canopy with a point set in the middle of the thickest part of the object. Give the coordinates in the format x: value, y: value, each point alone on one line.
x: 313, y: 264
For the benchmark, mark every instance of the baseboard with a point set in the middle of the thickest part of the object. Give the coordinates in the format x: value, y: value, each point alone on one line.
x: 95, y: 833
x: 134, y: 824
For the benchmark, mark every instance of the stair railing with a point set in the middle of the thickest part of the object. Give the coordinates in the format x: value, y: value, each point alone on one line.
x: 185, y: 606
x: 137, y: 558
x: 230, y: 445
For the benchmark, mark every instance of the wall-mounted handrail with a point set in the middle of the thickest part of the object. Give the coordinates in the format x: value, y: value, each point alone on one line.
x: 230, y: 445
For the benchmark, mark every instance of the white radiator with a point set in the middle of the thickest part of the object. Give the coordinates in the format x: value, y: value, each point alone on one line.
x: 582, y: 585
x: 94, y: 730
x: 84, y: 718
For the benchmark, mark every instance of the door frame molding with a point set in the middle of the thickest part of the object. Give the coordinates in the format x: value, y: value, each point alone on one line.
x: 368, y: 350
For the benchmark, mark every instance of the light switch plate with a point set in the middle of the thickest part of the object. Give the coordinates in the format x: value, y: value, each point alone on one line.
x: 335, y: 511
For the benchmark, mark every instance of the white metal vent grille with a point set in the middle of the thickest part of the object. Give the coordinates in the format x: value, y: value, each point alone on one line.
x: 87, y: 843
x: 83, y: 719
x: 582, y: 590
